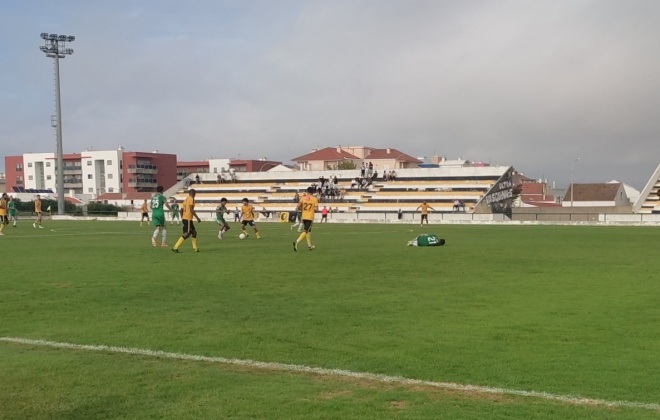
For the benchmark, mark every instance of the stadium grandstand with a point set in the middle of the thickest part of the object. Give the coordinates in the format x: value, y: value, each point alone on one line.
x: 446, y: 189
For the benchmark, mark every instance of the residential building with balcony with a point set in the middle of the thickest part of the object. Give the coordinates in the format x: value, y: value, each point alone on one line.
x: 143, y: 172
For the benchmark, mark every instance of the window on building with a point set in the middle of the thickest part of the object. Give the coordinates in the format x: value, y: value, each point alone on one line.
x: 48, y: 177
x: 48, y: 164
x: 90, y: 176
x: 19, y: 180
x: 110, y: 189
x: 108, y: 162
x: 29, y: 164
x: 89, y: 163
x: 110, y: 176
x: 30, y: 177
x: 90, y: 190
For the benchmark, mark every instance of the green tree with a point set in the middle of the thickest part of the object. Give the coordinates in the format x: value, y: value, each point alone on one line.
x: 346, y: 164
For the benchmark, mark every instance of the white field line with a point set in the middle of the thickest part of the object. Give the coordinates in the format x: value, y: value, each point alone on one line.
x: 570, y: 399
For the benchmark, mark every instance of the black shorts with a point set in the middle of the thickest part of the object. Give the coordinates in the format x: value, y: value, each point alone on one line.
x: 425, y: 217
x: 145, y: 215
x: 189, y: 227
x: 247, y: 222
x: 307, y: 225
x: 4, y: 220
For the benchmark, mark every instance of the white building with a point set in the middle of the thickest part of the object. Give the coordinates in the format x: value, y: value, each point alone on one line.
x: 92, y: 172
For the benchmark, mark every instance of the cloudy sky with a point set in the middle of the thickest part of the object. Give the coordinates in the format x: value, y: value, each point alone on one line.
x: 533, y: 84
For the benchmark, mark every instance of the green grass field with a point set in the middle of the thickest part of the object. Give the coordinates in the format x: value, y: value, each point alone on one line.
x: 570, y: 311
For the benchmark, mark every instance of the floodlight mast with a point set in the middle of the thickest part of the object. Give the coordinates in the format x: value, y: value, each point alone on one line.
x: 55, y: 47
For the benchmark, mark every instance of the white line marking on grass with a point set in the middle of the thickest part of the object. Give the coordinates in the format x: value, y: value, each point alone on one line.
x: 571, y: 399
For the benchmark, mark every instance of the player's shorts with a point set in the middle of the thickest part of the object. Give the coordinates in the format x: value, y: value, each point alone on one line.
x: 247, y: 222
x: 4, y: 219
x: 221, y: 221
x: 299, y: 216
x: 12, y: 213
x: 189, y: 227
x: 425, y: 217
x: 145, y: 215
x: 307, y: 225
x: 158, y: 220
x: 175, y: 215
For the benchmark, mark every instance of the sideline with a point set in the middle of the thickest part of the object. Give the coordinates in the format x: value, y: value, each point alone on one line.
x: 570, y: 399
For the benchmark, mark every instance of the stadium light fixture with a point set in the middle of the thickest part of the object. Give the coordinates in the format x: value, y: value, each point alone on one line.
x: 55, y: 47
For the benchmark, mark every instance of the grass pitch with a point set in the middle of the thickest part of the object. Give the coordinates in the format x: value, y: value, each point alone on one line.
x: 564, y: 310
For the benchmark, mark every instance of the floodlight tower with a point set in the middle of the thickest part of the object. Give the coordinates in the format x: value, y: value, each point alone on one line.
x: 573, y: 170
x: 55, y: 47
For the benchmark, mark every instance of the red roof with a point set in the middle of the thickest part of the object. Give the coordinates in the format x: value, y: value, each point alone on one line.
x: 72, y: 200
x: 377, y: 154
x: 532, y: 188
x: 592, y: 192
x: 327, y: 154
x: 124, y: 196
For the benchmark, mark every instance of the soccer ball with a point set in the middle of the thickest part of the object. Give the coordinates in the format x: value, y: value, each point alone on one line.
x: 241, y: 236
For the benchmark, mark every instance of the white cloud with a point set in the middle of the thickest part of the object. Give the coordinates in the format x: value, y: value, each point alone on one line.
x: 530, y: 84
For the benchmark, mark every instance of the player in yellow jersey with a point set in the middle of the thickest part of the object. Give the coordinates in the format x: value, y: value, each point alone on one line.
x: 145, y: 212
x: 187, y: 214
x: 425, y: 212
x: 3, y: 212
x: 247, y: 218
x: 37, y: 209
x: 308, y: 205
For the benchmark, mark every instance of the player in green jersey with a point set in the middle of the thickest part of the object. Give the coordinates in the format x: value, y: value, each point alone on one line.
x: 11, y: 209
x: 175, y: 212
x: 298, y: 217
x: 158, y: 205
x: 220, y: 212
x: 427, y: 239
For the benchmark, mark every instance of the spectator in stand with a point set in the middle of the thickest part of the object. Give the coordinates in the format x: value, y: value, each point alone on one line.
x: 370, y: 170
x: 296, y: 198
x: 363, y: 169
x: 385, y: 178
x: 197, y: 179
x: 392, y: 175
x: 354, y: 183
x: 219, y: 179
x: 457, y: 205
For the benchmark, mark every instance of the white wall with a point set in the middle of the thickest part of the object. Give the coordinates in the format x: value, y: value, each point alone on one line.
x: 97, y: 163
x: 217, y: 166
x: 36, y: 164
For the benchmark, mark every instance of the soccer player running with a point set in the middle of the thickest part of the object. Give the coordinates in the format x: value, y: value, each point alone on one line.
x: 308, y: 205
x: 3, y: 212
x: 220, y: 212
x: 11, y: 210
x: 425, y: 212
x: 175, y: 212
x: 247, y: 218
x: 158, y: 205
x: 37, y: 209
x: 187, y: 214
